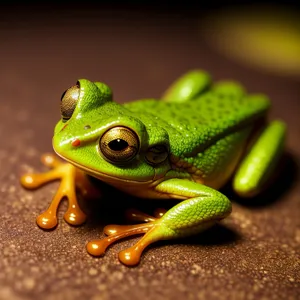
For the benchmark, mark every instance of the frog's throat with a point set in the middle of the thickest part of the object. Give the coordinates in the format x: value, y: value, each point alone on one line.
x: 103, y: 176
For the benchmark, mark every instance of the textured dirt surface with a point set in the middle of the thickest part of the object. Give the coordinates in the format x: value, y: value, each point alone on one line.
x: 254, y: 254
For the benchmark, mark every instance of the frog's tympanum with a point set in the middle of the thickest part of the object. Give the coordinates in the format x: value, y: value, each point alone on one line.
x: 184, y: 146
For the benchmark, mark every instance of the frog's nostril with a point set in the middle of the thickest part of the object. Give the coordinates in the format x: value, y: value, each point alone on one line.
x: 87, y: 127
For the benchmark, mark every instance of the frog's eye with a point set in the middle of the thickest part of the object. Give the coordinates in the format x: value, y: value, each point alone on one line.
x: 119, y: 144
x: 68, y: 102
x: 157, y: 154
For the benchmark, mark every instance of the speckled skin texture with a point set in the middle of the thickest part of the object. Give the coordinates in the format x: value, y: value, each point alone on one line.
x: 196, y: 124
x: 253, y: 254
x: 193, y: 127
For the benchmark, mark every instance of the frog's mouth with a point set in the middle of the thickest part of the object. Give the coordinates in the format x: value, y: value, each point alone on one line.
x: 110, y: 179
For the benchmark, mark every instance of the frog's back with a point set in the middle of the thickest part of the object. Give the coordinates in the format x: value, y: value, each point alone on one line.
x: 200, y: 121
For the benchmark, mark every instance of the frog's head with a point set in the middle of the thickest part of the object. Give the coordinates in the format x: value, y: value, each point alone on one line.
x: 106, y: 140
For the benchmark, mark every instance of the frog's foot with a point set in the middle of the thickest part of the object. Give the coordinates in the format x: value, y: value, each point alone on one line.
x: 68, y: 175
x: 132, y: 255
x: 117, y: 232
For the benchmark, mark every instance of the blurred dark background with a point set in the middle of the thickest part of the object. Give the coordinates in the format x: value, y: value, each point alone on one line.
x: 139, y: 48
x: 188, y: 8
x: 13, y: 11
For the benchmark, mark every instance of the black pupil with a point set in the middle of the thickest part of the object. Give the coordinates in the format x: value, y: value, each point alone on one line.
x: 117, y: 145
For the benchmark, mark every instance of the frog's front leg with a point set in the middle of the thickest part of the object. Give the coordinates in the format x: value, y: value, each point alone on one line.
x: 71, y: 178
x: 202, y: 208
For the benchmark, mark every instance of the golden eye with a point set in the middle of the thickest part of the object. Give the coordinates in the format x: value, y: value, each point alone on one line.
x: 119, y: 144
x: 157, y: 154
x: 68, y: 102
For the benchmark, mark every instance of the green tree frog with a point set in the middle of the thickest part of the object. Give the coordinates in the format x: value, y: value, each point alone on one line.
x: 184, y: 146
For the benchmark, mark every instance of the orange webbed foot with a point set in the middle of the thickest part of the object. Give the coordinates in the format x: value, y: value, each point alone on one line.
x: 69, y: 176
x: 132, y: 255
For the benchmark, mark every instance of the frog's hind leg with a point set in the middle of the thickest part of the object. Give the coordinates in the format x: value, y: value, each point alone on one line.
x: 187, y: 87
x: 202, y: 208
x: 259, y: 163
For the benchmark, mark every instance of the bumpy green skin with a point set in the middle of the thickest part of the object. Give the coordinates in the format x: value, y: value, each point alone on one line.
x: 205, y: 127
x: 207, y: 207
x: 203, y: 131
x: 193, y: 126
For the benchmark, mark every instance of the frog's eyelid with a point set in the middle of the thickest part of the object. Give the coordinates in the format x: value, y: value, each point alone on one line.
x: 63, y: 95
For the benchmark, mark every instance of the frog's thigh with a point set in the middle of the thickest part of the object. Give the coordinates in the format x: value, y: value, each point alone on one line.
x: 187, y: 87
x: 257, y: 166
x: 204, y: 207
